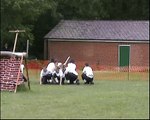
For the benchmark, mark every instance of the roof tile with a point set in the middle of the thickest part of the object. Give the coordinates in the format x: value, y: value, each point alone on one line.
x: 122, y: 30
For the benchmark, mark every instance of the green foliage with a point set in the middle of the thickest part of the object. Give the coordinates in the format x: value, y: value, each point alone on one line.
x: 21, y: 14
x: 127, y: 9
x: 38, y: 17
x: 82, y: 9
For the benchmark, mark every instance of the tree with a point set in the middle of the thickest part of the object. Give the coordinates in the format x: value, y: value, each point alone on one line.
x: 42, y: 26
x: 21, y: 14
x: 38, y: 17
x: 81, y: 9
x: 127, y: 9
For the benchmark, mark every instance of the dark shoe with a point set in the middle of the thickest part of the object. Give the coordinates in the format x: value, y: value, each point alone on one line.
x: 92, y: 83
x: 85, y: 83
x: 77, y: 82
x: 25, y: 80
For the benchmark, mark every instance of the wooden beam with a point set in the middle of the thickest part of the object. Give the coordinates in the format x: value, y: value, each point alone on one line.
x: 8, y: 53
x: 15, y: 42
x: 18, y: 74
x: 17, y: 32
x: 27, y: 73
x: 27, y: 49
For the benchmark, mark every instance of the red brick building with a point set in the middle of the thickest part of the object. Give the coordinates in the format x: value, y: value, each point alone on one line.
x: 104, y: 43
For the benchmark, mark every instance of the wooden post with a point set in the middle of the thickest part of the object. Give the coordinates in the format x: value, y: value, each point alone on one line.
x: 27, y: 73
x: 17, y: 32
x: 27, y: 49
x: 18, y: 74
x: 15, y: 42
x: 66, y: 60
x: 60, y: 80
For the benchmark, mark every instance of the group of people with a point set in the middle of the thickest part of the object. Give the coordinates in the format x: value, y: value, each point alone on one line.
x: 58, y: 73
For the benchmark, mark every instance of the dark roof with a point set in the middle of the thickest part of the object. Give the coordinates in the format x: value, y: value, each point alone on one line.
x: 100, y: 30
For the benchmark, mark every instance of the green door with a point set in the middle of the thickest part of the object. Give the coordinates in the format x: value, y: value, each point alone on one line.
x: 124, y: 55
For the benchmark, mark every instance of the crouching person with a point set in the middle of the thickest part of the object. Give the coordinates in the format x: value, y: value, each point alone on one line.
x: 45, y: 76
x: 87, y: 74
x: 71, y: 73
x: 52, y: 68
x: 59, y: 75
x: 23, y: 77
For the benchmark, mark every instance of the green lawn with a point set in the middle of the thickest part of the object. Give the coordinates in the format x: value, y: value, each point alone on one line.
x: 104, y: 99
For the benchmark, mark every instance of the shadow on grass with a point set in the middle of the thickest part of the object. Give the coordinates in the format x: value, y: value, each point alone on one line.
x: 23, y: 88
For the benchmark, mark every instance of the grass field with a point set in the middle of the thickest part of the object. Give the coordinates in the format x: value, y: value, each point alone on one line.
x: 105, y: 99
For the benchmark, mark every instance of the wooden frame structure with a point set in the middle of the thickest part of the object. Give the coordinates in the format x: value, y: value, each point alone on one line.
x: 21, y: 56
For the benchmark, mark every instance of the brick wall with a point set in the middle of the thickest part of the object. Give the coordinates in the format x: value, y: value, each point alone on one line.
x: 99, y: 55
x: 93, y: 53
x: 9, y: 67
x: 140, y: 55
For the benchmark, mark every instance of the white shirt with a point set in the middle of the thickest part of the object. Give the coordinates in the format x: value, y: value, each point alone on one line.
x: 59, y: 70
x: 60, y: 73
x: 51, y: 67
x: 22, y: 67
x: 44, y: 73
x: 71, y: 68
x: 88, y: 71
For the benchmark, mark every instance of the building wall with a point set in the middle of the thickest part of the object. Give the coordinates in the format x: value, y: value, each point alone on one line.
x: 104, y: 54
x: 139, y: 54
x: 9, y: 67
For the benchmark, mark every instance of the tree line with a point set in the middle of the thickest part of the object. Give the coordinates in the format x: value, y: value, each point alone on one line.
x: 38, y: 17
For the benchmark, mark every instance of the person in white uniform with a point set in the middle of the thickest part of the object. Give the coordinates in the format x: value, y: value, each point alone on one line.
x: 87, y: 74
x: 21, y: 69
x: 71, y: 73
x: 51, y: 68
x: 59, y: 74
x: 45, y: 75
